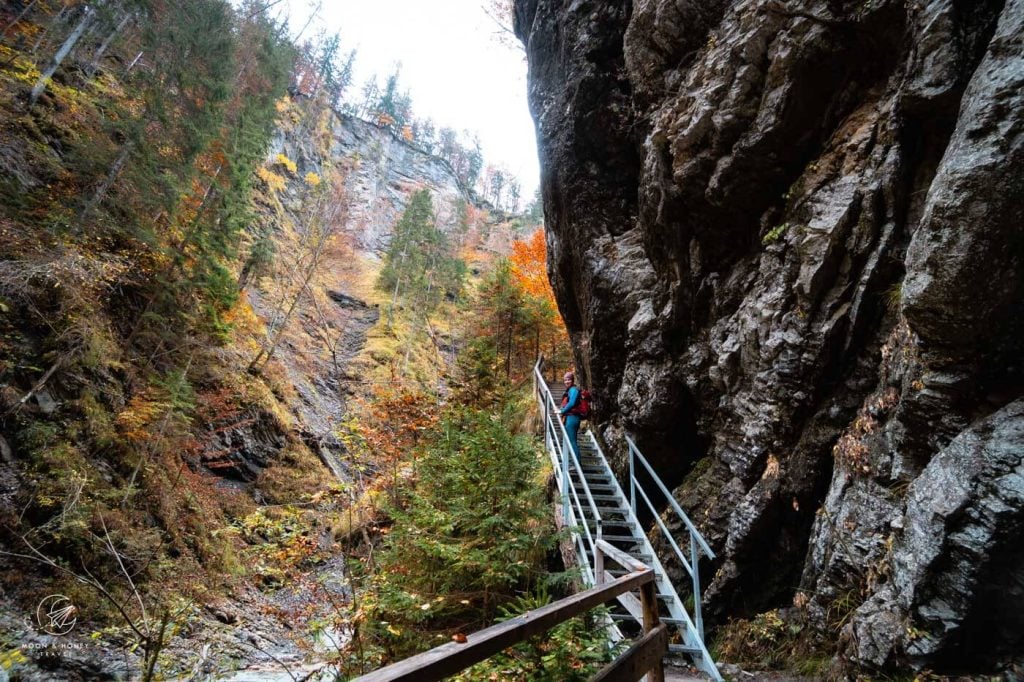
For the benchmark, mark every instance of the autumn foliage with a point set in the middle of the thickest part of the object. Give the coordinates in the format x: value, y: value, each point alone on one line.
x: 513, y: 318
x: 529, y: 265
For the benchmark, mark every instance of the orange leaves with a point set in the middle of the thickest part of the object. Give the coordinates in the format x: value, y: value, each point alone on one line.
x: 397, y: 418
x: 529, y: 266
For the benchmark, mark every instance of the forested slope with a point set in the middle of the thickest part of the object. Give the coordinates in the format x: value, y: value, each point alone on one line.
x: 190, y: 239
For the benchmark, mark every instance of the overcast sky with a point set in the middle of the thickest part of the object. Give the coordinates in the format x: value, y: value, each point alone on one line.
x: 455, y: 68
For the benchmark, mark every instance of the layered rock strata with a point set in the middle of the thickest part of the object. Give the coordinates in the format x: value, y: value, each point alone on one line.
x: 785, y: 238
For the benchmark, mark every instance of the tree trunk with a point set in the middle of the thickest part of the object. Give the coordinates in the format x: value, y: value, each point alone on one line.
x: 83, y: 24
x: 134, y: 62
x: 394, y: 294
x: 508, y: 351
x: 101, y: 50
x: 108, y: 182
x: 45, y: 33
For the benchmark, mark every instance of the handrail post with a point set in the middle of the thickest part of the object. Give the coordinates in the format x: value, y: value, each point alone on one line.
x: 632, y: 483
x: 649, y: 604
x: 565, y: 478
x: 547, y: 425
x: 698, y: 619
x: 598, y: 561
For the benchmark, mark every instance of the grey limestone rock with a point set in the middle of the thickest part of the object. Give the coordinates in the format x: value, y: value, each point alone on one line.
x: 785, y: 238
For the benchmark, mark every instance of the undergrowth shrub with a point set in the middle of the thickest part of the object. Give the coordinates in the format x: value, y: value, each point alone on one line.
x: 773, y: 640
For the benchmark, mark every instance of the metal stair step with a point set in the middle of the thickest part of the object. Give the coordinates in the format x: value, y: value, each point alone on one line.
x: 606, y: 498
x: 606, y: 513
x: 683, y: 649
x: 590, y: 477
x: 623, y: 617
x: 611, y: 522
x: 623, y: 511
x: 662, y: 597
x: 638, y: 555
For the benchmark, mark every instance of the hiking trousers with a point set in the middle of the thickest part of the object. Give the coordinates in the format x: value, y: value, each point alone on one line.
x: 572, y: 427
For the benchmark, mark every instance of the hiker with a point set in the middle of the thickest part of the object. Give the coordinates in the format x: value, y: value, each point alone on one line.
x: 570, y: 411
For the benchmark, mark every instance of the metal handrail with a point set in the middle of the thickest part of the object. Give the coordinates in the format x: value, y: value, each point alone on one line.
x: 635, y: 451
x: 665, y: 531
x: 696, y: 539
x: 549, y: 401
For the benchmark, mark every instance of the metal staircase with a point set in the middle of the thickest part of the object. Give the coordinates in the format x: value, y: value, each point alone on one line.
x: 595, y: 507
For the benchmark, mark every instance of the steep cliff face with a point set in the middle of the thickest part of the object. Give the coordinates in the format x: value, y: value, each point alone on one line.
x: 319, y: 352
x: 382, y: 172
x: 785, y: 239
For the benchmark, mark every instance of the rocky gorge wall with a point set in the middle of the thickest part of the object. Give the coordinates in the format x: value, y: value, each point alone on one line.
x: 785, y: 238
x: 320, y: 352
x: 382, y: 172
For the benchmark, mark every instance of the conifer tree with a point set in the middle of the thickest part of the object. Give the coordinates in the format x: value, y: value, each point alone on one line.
x: 419, y: 266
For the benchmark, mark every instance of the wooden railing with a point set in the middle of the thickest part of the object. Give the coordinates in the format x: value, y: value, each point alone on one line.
x: 643, y: 657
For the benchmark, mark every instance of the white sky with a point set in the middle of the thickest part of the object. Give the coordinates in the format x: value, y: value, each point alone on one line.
x: 453, y: 65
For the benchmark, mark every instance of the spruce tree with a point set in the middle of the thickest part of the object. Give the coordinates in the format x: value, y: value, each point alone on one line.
x: 419, y: 267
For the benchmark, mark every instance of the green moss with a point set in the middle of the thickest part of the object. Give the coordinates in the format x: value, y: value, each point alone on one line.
x: 700, y: 467
x: 774, y: 234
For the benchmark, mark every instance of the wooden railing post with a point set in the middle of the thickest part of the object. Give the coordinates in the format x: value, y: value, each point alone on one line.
x: 649, y: 603
x: 598, y: 560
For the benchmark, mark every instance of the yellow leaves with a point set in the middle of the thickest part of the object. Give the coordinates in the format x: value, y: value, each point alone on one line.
x: 9, y: 659
x: 286, y: 163
x: 312, y: 179
x: 142, y: 411
x: 274, y: 181
x: 242, y: 316
x: 407, y: 133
